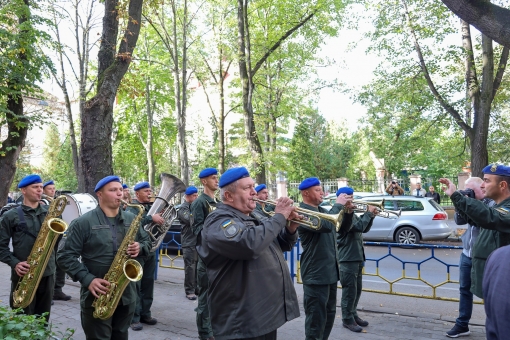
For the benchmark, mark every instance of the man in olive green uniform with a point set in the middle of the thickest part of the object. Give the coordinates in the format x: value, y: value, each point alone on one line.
x: 494, y: 220
x: 319, y: 265
x: 22, y: 224
x: 263, y: 194
x: 351, y: 256
x: 145, y: 287
x: 251, y: 292
x: 188, y: 243
x: 60, y: 275
x: 200, y: 208
x: 95, y: 237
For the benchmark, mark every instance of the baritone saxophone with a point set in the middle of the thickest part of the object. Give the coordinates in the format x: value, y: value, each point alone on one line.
x: 123, y: 270
x: 40, y: 254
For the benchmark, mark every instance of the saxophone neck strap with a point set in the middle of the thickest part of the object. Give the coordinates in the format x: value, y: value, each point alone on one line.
x: 22, y: 224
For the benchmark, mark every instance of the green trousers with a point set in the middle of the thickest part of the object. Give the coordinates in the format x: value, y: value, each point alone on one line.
x: 114, y: 328
x: 203, y: 319
x: 60, y: 275
x: 42, y: 299
x: 351, y: 280
x: 145, y: 289
x: 319, y: 302
x: 190, y: 256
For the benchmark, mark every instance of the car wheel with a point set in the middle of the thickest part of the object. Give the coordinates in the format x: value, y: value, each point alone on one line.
x: 407, y: 235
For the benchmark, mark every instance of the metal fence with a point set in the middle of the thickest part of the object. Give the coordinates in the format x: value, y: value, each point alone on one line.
x: 412, y: 270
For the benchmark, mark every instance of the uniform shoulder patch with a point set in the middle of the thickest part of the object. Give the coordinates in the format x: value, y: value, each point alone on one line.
x: 503, y: 210
x: 230, y: 228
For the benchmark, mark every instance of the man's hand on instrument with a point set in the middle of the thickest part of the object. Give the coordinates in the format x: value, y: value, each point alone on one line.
x: 373, y: 210
x: 158, y: 219
x: 99, y: 287
x: 284, y: 206
x: 22, y: 268
x: 345, y: 200
x: 133, y: 249
x: 292, y: 226
x: 450, y: 187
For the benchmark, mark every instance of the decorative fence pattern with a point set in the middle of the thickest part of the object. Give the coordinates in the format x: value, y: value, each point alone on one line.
x: 293, y: 259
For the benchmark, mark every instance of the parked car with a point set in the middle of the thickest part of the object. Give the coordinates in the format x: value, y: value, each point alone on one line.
x: 422, y: 219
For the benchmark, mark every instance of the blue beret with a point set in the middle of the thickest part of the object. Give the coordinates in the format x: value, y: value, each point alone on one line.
x: 309, y: 182
x: 345, y: 190
x: 124, y: 186
x: 141, y: 185
x: 30, y: 179
x: 191, y: 190
x: 232, y: 175
x: 105, y: 181
x: 497, y: 169
x: 48, y: 183
x: 207, y: 172
x: 260, y: 187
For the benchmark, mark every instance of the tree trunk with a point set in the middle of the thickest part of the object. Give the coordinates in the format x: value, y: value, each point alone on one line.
x: 17, y: 129
x: 97, y: 117
x: 149, y: 148
x: 490, y: 19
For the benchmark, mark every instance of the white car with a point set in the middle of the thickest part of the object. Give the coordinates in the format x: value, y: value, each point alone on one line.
x: 422, y: 219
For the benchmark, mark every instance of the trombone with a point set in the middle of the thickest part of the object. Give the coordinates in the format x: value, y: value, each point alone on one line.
x: 362, y: 206
x: 312, y: 219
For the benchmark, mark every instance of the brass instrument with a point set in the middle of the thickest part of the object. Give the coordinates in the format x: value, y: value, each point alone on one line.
x: 312, y: 218
x: 40, y: 254
x: 362, y: 206
x: 123, y: 270
x: 170, y: 186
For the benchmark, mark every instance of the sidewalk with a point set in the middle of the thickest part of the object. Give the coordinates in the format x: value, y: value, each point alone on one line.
x: 177, y: 318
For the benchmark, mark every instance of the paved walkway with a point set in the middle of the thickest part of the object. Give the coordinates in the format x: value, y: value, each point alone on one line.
x: 177, y: 318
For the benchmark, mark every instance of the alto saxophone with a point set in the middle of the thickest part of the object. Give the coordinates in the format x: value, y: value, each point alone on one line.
x: 123, y: 270
x: 40, y: 254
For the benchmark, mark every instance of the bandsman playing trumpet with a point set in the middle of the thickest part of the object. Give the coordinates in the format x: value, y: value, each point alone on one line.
x: 351, y: 256
x: 22, y: 224
x: 96, y: 237
x: 250, y: 289
x: 145, y: 287
x: 320, y: 271
x: 262, y: 195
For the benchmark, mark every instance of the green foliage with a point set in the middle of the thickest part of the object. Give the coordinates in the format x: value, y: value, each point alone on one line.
x: 14, y: 325
x: 318, y: 150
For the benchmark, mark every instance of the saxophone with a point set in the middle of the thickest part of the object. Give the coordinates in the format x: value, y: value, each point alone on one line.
x: 123, y: 270
x: 40, y: 254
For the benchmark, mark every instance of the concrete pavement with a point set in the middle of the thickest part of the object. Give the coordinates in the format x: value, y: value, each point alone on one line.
x: 177, y: 318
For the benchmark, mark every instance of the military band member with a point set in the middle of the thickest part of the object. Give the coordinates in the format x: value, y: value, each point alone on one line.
x: 60, y: 275
x: 263, y: 194
x: 22, y: 225
x: 351, y: 256
x: 251, y: 292
x: 200, y: 208
x: 320, y: 270
x: 188, y: 243
x: 96, y: 236
x: 145, y: 287
x: 126, y: 195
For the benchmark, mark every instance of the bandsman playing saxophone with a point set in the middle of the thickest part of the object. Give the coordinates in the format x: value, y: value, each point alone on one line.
x: 319, y: 265
x: 96, y: 236
x: 22, y: 224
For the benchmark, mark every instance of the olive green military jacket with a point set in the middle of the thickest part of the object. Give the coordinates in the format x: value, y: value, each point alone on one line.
x: 90, y: 236
x: 350, y: 242
x: 250, y: 288
x: 146, y: 219
x: 267, y: 208
x: 188, y: 238
x: 200, y: 209
x: 22, y: 242
x: 494, y: 233
x: 319, y: 264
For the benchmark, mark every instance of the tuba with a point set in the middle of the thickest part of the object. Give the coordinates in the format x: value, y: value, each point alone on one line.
x: 170, y: 186
x: 123, y: 270
x: 40, y: 254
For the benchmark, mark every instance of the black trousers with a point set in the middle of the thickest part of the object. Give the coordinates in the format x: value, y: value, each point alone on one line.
x: 60, y: 275
x: 268, y: 336
x: 114, y: 328
x: 42, y: 299
x: 190, y: 257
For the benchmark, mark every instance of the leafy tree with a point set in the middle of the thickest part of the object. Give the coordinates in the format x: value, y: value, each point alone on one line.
x: 21, y: 65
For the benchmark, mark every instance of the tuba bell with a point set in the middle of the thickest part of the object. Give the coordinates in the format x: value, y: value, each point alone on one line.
x: 170, y: 186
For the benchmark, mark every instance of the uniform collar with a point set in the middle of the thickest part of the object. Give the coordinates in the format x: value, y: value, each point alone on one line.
x: 101, y: 214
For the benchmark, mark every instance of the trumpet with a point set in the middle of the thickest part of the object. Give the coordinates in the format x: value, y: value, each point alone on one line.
x: 362, y: 206
x: 312, y: 219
